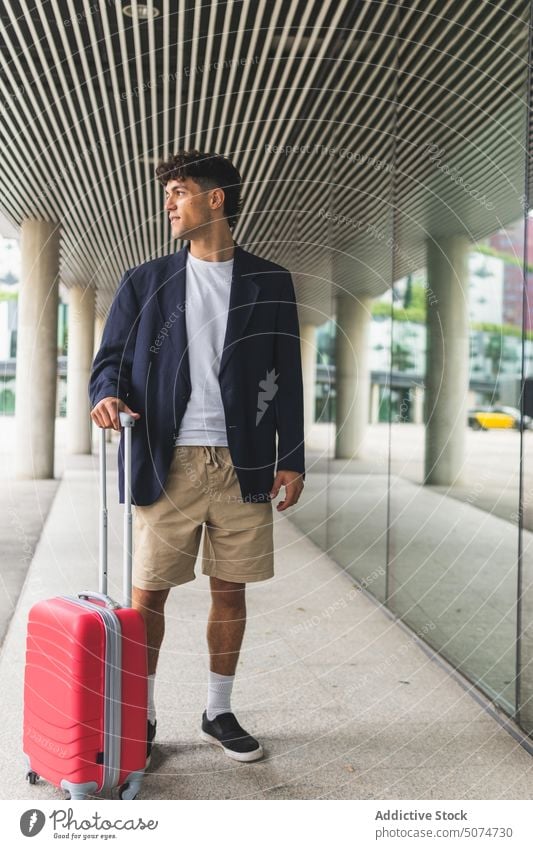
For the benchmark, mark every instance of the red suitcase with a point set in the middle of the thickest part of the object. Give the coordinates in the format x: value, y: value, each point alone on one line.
x: 85, y: 679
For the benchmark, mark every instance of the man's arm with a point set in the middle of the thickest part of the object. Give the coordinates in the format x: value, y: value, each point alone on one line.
x: 109, y: 383
x: 288, y: 400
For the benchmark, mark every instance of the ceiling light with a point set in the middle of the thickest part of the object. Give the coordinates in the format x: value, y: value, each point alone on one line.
x: 141, y: 11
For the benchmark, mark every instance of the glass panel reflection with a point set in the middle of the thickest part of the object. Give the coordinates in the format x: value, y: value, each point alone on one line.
x: 456, y: 343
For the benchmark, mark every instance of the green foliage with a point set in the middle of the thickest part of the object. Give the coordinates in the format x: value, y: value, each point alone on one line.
x: 509, y: 259
x: 500, y: 329
x: 415, y: 312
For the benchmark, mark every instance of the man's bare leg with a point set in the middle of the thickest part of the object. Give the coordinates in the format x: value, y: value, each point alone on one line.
x: 225, y: 625
x: 151, y: 604
x: 225, y: 631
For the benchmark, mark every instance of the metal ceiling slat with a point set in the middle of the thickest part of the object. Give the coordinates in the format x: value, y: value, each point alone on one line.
x: 259, y: 109
x: 426, y: 21
x: 74, y: 127
x: 479, y: 34
x: 63, y: 128
x: 60, y: 200
x: 460, y: 132
x: 14, y: 204
x: 316, y: 126
x: 75, y: 251
x: 403, y: 173
x: 178, y: 109
x: 77, y: 256
x: 146, y: 219
x: 368, y: 125
x: 425, y: 129
x: 252, y: 27
x: 208, y: 43
x: 154, y: 194
x: 485, y: 224
x: 189, y: 105
x: 21, y: 123
x: 462, y: 114
x: 373, y: 207
x: 419, y: 126
x: 246, y: 93
x: 167, y: 144
x: 134, y: 165
x: 350, y: 115
x: 124, y: 247
x: 307, y: 66
x: 436, y: 93
x: 421, y: 211
x: 161, y: 149
x: 483, y: 160
x: 26, y: 129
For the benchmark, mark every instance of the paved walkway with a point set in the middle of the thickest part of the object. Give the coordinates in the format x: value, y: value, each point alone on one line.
x: 346, y: 703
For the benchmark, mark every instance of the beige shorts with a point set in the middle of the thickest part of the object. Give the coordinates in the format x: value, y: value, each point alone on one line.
x: 202, y: 487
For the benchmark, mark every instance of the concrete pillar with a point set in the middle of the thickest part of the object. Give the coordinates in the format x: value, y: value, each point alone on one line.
x: 352, y: 341
x: 446, y: 396
x: 99, y: 324
x: 37, y: 349
x: 80, y: 357
x: 374, y: 403
x: 308, y: 351
x: 417, y: 404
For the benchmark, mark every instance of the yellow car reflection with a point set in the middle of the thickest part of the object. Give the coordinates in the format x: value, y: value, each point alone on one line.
x: 490, y: 418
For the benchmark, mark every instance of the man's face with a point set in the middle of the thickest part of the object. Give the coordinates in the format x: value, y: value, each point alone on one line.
x: 192, y: 209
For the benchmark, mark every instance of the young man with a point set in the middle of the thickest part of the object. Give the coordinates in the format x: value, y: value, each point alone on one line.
x: 202, y: 348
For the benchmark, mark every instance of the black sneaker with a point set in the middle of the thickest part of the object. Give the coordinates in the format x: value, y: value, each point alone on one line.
x: 225, y: 731
x: 150, y: 734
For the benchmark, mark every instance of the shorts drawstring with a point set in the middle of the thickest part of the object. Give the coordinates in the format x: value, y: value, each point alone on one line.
x: 211, y: 456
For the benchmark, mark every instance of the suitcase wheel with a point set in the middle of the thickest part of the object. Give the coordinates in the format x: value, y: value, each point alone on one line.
x: 32, y: 777
x: 128, y: 791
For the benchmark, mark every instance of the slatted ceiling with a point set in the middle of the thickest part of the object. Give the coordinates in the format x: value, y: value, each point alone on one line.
x: 345, y: 74
x: 475, y: 100
x: 358, y: 39
x: 101, y: 41
x: 287, y: 92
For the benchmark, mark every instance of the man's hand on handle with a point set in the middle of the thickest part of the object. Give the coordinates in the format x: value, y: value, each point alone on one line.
x: 293, y: 483
x: 105, y: 413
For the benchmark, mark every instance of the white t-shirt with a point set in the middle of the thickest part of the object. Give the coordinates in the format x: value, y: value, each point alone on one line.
x: 207, y: 293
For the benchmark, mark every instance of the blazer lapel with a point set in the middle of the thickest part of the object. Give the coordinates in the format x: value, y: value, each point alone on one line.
x: 171, y: 299
x: 243, y: 295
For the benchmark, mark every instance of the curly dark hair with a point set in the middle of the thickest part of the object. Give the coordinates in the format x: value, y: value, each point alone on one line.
x: 210, y: 171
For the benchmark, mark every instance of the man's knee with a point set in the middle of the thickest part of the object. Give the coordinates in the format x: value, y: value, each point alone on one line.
x: 227, y: 593
x: 149, y: 600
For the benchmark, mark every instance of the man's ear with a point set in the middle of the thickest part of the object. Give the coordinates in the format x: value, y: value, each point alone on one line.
x: 217, y: 198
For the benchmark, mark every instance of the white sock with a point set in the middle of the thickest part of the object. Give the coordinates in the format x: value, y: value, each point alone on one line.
x: 151, y: 703
x: 218, y: 694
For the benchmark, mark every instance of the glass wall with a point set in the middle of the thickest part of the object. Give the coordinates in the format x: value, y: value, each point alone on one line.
x: 429, y: 493
x: 456, y: 341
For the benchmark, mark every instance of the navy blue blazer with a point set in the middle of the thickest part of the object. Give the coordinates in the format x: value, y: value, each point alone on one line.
x: 143, y: 359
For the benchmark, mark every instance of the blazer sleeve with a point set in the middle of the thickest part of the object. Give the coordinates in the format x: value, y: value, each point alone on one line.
x: 288, y: 400
x: 112, y: 365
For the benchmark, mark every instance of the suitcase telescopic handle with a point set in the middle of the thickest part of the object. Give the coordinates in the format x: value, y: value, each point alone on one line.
x: 127, y: 422
x: 112, y: 605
